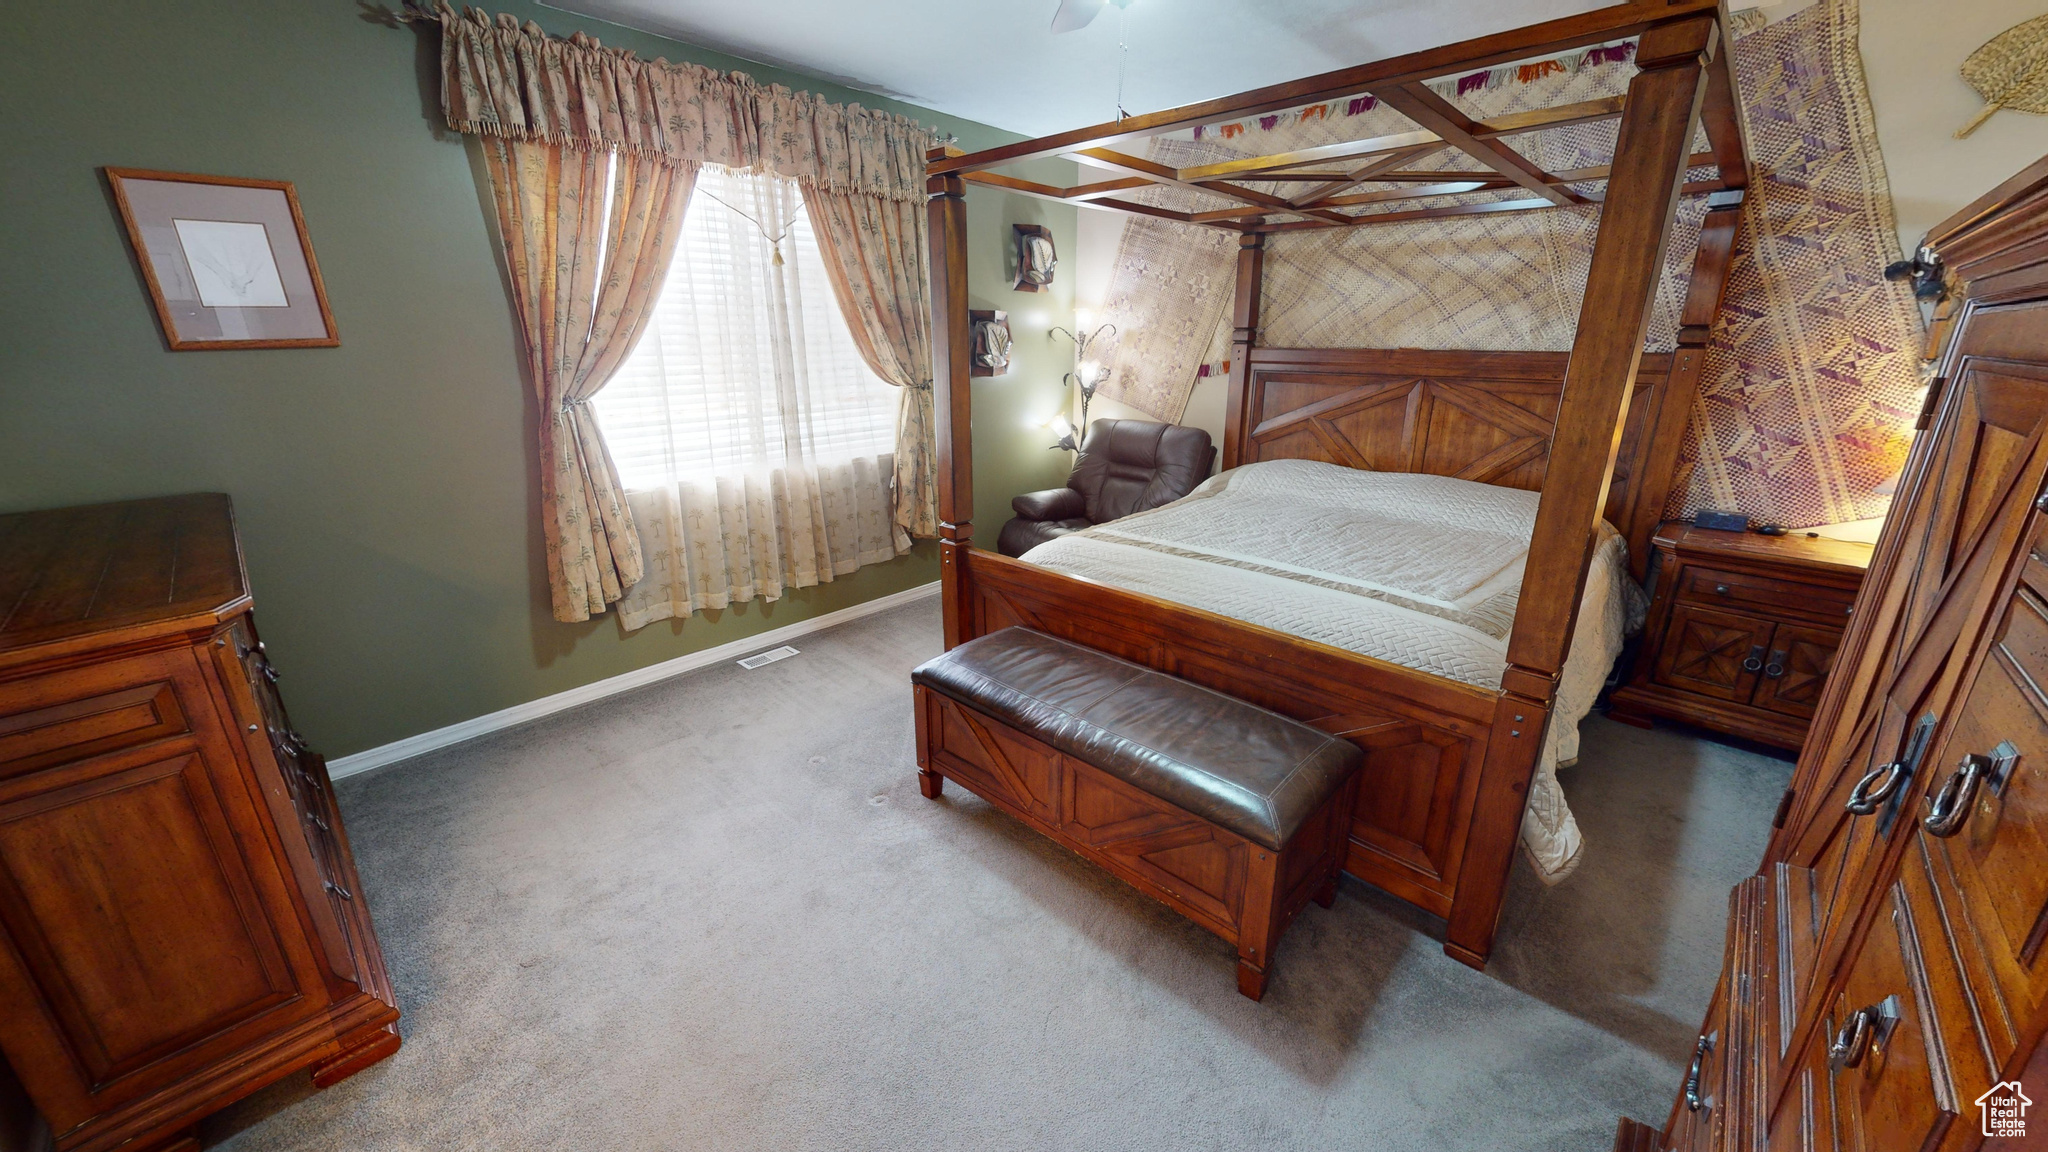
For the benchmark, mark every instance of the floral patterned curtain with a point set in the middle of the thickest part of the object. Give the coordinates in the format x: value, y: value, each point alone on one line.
x: 575, y: 101
x: 583, y: 282
x: 875, y: 253
x: 502, y: 78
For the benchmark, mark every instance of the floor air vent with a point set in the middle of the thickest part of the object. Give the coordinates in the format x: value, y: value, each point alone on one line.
x: 768, y: 657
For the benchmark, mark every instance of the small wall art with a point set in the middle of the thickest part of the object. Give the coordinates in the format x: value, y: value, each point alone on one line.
x: 1036, y: 257
x: 226, y: 260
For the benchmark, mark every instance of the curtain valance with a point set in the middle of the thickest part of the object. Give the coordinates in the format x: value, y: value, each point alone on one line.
x: 502, y: 78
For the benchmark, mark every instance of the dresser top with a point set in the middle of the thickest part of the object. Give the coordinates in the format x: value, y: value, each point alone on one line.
x: 1795, y: 549
x: 73, y: 573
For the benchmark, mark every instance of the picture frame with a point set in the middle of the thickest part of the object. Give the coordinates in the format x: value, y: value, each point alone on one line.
x: 226, y: 260
x: 1036, y: 257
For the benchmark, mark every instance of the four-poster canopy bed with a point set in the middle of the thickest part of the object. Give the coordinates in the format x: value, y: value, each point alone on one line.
x: 1597, y: 431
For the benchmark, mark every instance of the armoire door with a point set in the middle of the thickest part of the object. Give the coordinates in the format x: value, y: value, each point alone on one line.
x: 1969, y: 504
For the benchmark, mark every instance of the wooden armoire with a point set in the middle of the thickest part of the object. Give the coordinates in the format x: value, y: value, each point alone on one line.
x: 1884, y: 971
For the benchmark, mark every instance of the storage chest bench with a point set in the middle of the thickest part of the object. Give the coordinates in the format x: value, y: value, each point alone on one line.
x: 1231, y: 815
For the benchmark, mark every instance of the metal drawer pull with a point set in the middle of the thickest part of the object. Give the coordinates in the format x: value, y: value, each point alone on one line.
x: 1949, y: 809
x: 345, y: 894
x: 1776, y: 667
x: 1869, y: 1025
x: 1755, y: 660
x: 1693, y: 1100
x: 1875, y: 788
x: 1720, y: 589
x: 1853, y: 1040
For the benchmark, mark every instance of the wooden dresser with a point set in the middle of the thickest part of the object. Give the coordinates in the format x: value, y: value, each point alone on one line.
x: 1742, y: 631
x: 1885, y: 982
x: 180, y: 922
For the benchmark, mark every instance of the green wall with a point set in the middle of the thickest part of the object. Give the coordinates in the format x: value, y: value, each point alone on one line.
x: 385, y: 488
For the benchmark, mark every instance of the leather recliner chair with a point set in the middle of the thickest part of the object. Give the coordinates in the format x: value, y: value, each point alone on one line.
x: 1125, y: 466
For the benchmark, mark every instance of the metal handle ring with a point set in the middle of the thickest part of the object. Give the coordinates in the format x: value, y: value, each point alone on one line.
x: 1875, y: 788
x: 1949, y: 809
x: 1853, y: 1040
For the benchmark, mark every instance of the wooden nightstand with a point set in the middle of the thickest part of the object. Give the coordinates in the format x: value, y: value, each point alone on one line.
x: 1742, y: 631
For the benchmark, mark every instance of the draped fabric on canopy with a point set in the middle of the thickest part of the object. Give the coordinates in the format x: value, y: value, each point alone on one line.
x: 862, y: 169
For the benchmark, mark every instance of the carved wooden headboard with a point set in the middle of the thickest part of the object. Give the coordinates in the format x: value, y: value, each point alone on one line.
x: 1483, y: 416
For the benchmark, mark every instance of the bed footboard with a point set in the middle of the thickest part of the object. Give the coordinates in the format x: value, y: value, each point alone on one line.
x: 1425, y: 737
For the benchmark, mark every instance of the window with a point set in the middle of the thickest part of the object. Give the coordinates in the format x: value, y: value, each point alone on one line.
x: 746, y: 364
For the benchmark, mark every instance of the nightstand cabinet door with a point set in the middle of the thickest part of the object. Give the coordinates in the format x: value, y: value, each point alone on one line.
x: 1711, y: 653
x: 1795, y: 668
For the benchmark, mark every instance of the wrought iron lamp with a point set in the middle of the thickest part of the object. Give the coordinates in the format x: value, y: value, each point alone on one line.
x: 1087, y: 376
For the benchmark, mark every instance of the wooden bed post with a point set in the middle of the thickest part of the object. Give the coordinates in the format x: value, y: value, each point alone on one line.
x: 1650, y: 490
x: 1657, y: 127
x: 1244, y: 336
x: 952, y: 388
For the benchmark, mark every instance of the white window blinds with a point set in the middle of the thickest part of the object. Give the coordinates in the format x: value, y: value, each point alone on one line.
x: 746, y: 364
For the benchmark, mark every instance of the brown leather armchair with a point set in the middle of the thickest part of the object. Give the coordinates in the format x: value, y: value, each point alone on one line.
x: 1125, y: 466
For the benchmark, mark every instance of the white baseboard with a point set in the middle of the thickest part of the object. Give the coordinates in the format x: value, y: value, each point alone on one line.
x: 518, y: 714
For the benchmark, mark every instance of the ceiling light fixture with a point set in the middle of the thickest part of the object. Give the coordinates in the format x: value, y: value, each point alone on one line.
x: 1074, y: 15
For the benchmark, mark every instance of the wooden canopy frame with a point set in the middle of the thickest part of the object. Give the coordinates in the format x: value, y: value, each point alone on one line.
x: 1448, y: 765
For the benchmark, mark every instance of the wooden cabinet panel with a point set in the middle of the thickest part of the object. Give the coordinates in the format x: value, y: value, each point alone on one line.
x: 94, y: 876
x: 1795, y: 668
x: 150, y: 929
x: 1183, y: 855
x: 1959, y: 1016
x: 120, y: 704
x: 1713, y: 653
x: 994, y: 761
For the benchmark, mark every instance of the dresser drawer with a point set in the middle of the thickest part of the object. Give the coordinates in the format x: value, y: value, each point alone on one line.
x: 1894, y: 1087
x: 1766, y: 594
x: 1695, y: 1119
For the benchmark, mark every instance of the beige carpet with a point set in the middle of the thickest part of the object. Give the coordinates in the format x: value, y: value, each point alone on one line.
x: 716, y: 914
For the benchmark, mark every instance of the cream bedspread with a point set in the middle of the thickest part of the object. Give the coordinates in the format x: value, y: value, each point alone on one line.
x: 1411, y: 568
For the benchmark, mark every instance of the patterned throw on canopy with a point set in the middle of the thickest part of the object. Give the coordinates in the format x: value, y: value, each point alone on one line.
x: 1806, y: 402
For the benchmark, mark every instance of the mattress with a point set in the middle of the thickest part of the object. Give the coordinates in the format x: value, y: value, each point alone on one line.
x: 1410, y: 568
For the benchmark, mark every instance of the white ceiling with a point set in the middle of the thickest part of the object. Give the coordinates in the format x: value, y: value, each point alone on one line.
x: 996, y: 61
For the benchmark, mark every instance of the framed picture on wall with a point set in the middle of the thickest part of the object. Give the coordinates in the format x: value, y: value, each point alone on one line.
x: 226, y: 260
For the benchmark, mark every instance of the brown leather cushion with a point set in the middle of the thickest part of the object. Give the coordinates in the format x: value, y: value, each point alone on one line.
x: 1128, y: 466
x: 1255, y: 772
x: 1020, y: 535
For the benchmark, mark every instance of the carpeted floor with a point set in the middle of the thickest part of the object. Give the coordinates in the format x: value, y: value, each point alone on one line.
x: 716, y: 914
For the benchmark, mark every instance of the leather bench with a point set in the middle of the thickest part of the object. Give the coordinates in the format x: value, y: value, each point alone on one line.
x: 1229, y: 814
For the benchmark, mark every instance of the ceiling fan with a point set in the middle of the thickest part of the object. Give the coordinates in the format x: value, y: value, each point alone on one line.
x: 1076, y: 14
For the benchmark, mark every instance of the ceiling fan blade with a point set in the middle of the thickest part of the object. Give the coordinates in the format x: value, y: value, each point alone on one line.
x: 1075, y: 14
